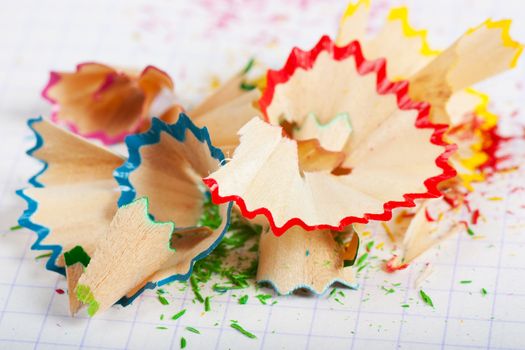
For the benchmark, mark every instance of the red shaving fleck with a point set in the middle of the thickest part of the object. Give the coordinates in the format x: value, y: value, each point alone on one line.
x: 475, y: 217
x: 59, y: 291
x: 390, y: 266
x: 450, y: 201
x: 427, y: 215
x: 517, y: 189
x: 467, y: 205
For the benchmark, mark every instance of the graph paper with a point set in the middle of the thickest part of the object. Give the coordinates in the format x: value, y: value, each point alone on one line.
x: 197, y: 42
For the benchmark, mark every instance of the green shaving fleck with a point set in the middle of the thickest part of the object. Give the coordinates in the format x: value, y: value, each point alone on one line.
x: 469, y: 231
x: 332, y: 293
x: 182, y: 342
x: 162, y: 327
x: 247, y: 86
x: 307, y: 252
x: 405, y: 305
x: 45, y: 255
x: 369, y: 246
x: 85, y: 296
x: 465, y: 282
x: 193, y: 330
x: 14, y: 228
x: 362, y: 259
x: 248, y: 66
x: 241, y: 330
x: 207, y: 304
x: 339, y: 301
x: 426, y: 298
x: 196, y: 289
x: 263, y: 298
x: 388, y: 290
x: 483, y: 291
x: 396, y: 284
x: 162, y: 317
x: 237, y: 279
x: 243, y: 300
x: 76, y: 255
x: 163, y: 300
x: 178, y: 315
x: 362, y: 267
x: 219, y: 288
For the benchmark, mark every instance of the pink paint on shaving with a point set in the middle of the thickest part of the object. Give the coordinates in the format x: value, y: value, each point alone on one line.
x: 105, y: 138
x: 98, y: 135
x: 54, y: 78
x: 110, y: 79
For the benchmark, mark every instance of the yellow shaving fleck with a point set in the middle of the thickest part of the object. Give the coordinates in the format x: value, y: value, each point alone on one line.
x: 468, y: 179
x: 401, y: 14
x: 495, y: 199
x: 260, y: 82
x: 473, y: 162
x: 507, y: 40
x: 380, y: 245
x: 353, y: 7
x: 388, y: 232
x: 508, y: 171
x: 401, y: 216
x: 215, y: 82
